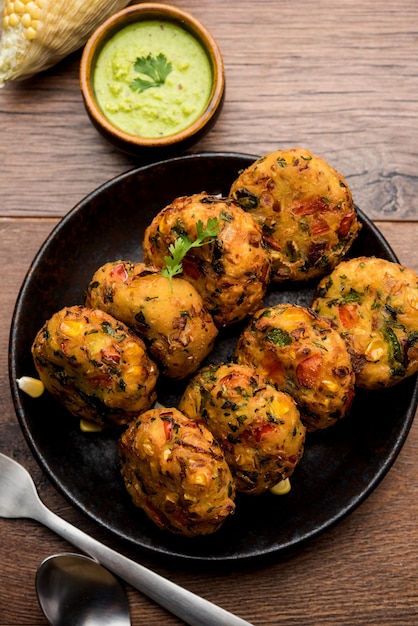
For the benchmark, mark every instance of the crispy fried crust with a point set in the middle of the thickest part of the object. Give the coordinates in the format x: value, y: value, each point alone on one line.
x: 302, y: 355
x: 172, y: 320
x: 257, y: 426
x: 305, y: 208
x: 231, y: 274
x: 176, y: 472
x: 95, y: 366
x: 373, y: 304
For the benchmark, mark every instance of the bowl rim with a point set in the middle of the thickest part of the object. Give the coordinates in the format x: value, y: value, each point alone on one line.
x: 139, y: 12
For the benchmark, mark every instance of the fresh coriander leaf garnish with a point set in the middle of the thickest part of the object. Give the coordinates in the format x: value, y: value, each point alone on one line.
x: 182, y: 245
x: 156, y: 68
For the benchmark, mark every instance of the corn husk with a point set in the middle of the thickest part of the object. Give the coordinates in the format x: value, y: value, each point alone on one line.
x: 36, y: 34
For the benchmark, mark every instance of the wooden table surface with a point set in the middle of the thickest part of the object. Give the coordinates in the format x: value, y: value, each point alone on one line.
x: 338, y: 78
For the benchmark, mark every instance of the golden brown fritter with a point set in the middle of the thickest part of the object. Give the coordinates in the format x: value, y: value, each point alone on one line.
x: 176, y: 472
x: 302, y: 355
x: 305, y: 208
x: 95, y: 366
x: 231, y: 273
x: 171, y: 318
x: 257, y: 426
x: 373, y: 304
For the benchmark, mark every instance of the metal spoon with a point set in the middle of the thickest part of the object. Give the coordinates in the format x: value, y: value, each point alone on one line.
x: 19, y: 498
x: 74, y: 590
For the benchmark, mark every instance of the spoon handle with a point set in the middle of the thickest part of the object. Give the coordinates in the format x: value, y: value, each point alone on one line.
x: 189, y: 607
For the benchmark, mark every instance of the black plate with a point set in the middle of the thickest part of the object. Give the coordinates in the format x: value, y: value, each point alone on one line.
x: 340, y: 467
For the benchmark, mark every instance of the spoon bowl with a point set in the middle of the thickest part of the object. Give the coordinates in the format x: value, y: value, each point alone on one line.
x: 75, y: 590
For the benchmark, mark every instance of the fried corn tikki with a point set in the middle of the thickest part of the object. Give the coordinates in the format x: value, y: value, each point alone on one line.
x: 257, y: 426
x: 373, y: 304
x: 95, y: 366
x: 302, y: 355
x: 305, y: 209
x: 170, y: 318
x: 232, y: 272
x: 176, y: 472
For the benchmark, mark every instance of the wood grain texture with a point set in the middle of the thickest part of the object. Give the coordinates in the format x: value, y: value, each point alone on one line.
x: 339, y: 79
x: 361, y: 572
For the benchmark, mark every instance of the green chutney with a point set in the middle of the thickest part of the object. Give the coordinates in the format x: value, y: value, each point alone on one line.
x: 163, y: 109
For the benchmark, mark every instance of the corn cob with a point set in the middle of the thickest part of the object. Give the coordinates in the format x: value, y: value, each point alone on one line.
x: 36, y: 34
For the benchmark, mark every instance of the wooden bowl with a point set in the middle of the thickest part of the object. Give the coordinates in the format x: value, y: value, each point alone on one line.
x: 186, y: 30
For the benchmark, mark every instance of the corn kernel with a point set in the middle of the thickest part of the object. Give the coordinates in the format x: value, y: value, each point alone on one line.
x: 70, y: 328
x: 19, y: 7
x: 133, y: 373
x: 30, y: 33
x: 133, y: 350
x: 32, y: 386
x: 5, y: 22
x: 26, y: 20
x: 95, y: 343
x: 199, y: 478
x: 330, y: 385
x: 293, y: 315
x: 172, y: 497
x: 13, y: 20
x: 189, y: 497
x: 33, y: 10
x: 89, y: 427
x: 282, y: 488
x: 279, y: 408
x: 375, y: 350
